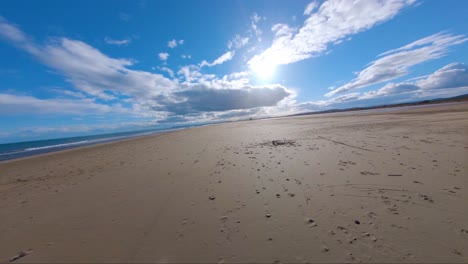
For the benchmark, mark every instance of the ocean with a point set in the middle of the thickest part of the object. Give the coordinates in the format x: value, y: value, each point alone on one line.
x: 10, y: 151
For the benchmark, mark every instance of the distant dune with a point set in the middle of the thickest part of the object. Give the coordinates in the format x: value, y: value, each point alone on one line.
x: 459, y: 98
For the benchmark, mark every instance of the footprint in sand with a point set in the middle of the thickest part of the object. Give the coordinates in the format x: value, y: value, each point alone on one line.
x: 369, y: 173
x: 426, y: 198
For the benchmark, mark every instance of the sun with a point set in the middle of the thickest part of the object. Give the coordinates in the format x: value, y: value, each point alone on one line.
x: 264, y: 68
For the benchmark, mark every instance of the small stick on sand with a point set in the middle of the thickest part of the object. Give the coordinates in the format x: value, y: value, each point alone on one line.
x: 21, y: 254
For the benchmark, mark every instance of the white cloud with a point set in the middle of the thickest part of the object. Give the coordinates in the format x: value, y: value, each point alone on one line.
x: 223, y: 58
x: 169, y: 71
x: 163, y: 56
x: 117, y: 42
x: 186, y: 56
x: 238, y: 42
x: 450, y: 80
x: 230, y: 81
x: 190, y: 73
x: 396, y: 63
x: 450, y: 77
x: 439, y: 93
x: 68, y: 93
x: 11, y: 32
x: 174, y: 43
x: 310, y: 7
x: 453, y: 75
x: 89, y: 70
x: 98, y: 76
x: 200, y: 98
x: 19, y: 104
x: 220, y: 60
x: 392, y: 89
x: 334, y: 21
x: 254, y: 20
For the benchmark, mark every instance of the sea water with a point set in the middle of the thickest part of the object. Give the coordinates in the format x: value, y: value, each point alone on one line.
x: 30, y: 148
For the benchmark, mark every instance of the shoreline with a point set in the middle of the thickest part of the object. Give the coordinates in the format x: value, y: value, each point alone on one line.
x: 90, y: 145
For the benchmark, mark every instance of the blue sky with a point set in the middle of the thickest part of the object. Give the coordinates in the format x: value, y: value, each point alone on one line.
x: 72, y: 68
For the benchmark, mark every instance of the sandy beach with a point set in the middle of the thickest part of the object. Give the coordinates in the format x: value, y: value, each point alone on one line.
x: 344, y: 187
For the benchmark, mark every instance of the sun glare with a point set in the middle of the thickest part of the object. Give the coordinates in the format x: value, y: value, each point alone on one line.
x: 264, y: 69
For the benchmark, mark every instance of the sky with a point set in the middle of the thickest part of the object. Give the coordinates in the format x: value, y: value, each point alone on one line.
x: 70, y: 68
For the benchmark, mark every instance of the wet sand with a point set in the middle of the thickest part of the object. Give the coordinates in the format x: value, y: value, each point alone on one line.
x: 346, y: 187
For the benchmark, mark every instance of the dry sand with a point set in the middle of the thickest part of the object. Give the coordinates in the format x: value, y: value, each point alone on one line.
x: 348, y: 187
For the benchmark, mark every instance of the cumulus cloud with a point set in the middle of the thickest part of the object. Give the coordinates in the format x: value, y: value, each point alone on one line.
x: 232, y: 80
x: 453, y: 75
x: 190, y: 73
x: 200, y: 98
x: 98, y: 77
x: 333, y: 22
x: 117, y: 42
x: 174, y: 43
x: 450, y: 80
x: 220, y: 60
x: 396, y: 63
x: 163, y: 56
